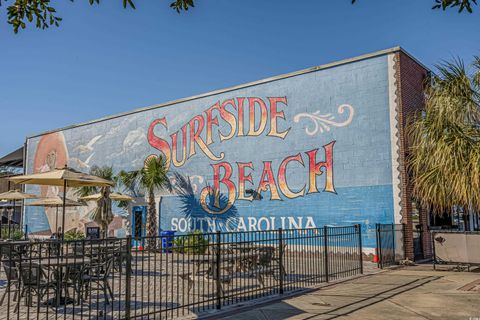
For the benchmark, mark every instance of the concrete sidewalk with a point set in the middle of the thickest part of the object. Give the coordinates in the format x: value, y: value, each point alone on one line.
x: 407, y: 293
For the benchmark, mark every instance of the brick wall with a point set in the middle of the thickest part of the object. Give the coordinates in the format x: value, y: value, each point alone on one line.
x: 410, y: 76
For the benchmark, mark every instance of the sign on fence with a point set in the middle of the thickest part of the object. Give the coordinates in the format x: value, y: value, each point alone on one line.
x: 457, y: 247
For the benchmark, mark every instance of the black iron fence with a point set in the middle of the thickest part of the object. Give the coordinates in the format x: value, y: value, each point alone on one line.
x: 170, y: 276
x: 418, y: 250
x: 390, y: 244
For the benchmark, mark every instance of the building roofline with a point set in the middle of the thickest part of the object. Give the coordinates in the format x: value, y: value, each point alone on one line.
x: 241, y: 86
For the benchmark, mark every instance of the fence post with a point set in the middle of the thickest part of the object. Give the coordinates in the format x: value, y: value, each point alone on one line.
x: 379, y: 246
x: 128, y: 276
x: 25, y: 232
x: 217, y: 271
x: 358, y: 227
x: 325, y: 250
x: 280, y: 259
x: 433, y: 251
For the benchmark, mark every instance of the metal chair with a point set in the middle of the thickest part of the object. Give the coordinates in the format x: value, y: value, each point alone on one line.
x: 11, y: 271
x: 33, y: 281
x: 97, y: 273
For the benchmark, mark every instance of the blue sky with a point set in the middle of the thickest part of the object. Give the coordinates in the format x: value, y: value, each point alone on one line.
x: 104, y: 59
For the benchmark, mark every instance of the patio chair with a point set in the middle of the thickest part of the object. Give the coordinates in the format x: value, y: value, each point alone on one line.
x: 264, y: 265
x: 73, y: 279
x: 281, y: 266
x: 33, y: 282
x: 121, y: 255
x: 97, y: 273
x: 11, y: 272
x: 53, y: 248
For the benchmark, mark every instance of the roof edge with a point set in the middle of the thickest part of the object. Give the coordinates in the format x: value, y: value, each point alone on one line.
x: 241, y: 86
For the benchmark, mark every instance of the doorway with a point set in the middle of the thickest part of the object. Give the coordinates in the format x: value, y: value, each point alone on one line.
x: 139, y: 220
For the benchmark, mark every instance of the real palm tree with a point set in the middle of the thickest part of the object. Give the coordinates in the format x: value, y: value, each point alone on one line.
x: 150, y: 178
x: 102, y: 172
x: 104, y: 203
x: 444, y: 154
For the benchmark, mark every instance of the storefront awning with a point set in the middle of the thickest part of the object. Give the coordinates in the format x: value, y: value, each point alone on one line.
x: 13, y: 159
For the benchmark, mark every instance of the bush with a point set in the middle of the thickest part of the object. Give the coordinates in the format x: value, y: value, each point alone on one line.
x: 17, y: 235
x: 192, y: 243
x: 14, y: 234
x: 74, y: 235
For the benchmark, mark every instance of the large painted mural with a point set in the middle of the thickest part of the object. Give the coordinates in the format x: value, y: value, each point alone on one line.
x: 303, y: 151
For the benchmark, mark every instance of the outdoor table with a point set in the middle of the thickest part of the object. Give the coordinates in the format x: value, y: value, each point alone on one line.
x: 211, y: 260
x: 14, y: 248
x: 59, y: 265
x: 244, y: 247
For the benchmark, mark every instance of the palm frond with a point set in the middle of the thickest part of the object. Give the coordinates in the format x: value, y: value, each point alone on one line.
x: 102, y: 172
x: 444, y: 141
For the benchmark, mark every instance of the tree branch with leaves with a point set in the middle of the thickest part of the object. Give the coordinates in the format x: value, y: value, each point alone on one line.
x: 44, y: 15
x: 461, y: 5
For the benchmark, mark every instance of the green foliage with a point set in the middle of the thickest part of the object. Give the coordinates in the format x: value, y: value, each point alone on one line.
x: 73, y: 235
x: 146, y: 180
x: 40, y: 12
x: 192, y: 243
x: 460, y: 4
x: 101, y: 172
x: 447, y: 4
x: 22, y: 11
x: 152, y: 176
x: 182, y: 5
x: 104, y: 172
x: 444, y: 154
x: 14, y: 234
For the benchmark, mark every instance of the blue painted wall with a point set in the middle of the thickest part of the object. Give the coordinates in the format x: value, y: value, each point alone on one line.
x: 361, y: 153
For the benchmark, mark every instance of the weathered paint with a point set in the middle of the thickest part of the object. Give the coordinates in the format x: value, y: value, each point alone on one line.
x: 315, y: 146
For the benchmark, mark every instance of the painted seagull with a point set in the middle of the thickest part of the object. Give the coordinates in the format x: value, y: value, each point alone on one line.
x: 89, y: 146
x: 82, y: 164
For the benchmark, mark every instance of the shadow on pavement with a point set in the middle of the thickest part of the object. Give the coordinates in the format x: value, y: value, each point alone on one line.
x: 338, y: 300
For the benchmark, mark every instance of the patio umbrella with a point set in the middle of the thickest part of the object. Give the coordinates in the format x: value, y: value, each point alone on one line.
x: 55, y: 202
x: 15, y: 195
x: 66, y: 177
x: 113, y: 196
x: 103, y: 213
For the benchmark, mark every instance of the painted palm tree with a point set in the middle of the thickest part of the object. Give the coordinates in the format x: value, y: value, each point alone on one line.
x: 444, y: 155
x: 146, y: 181
x: 191, y: 208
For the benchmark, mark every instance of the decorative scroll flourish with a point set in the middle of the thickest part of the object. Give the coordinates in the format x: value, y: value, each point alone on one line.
x: 323, y: 122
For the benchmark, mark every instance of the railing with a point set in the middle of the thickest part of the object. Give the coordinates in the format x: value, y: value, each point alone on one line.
x: 169, y: 277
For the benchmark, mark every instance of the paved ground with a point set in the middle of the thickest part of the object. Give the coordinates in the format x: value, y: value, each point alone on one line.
x: 406, y: 293
x: 171, y: 285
